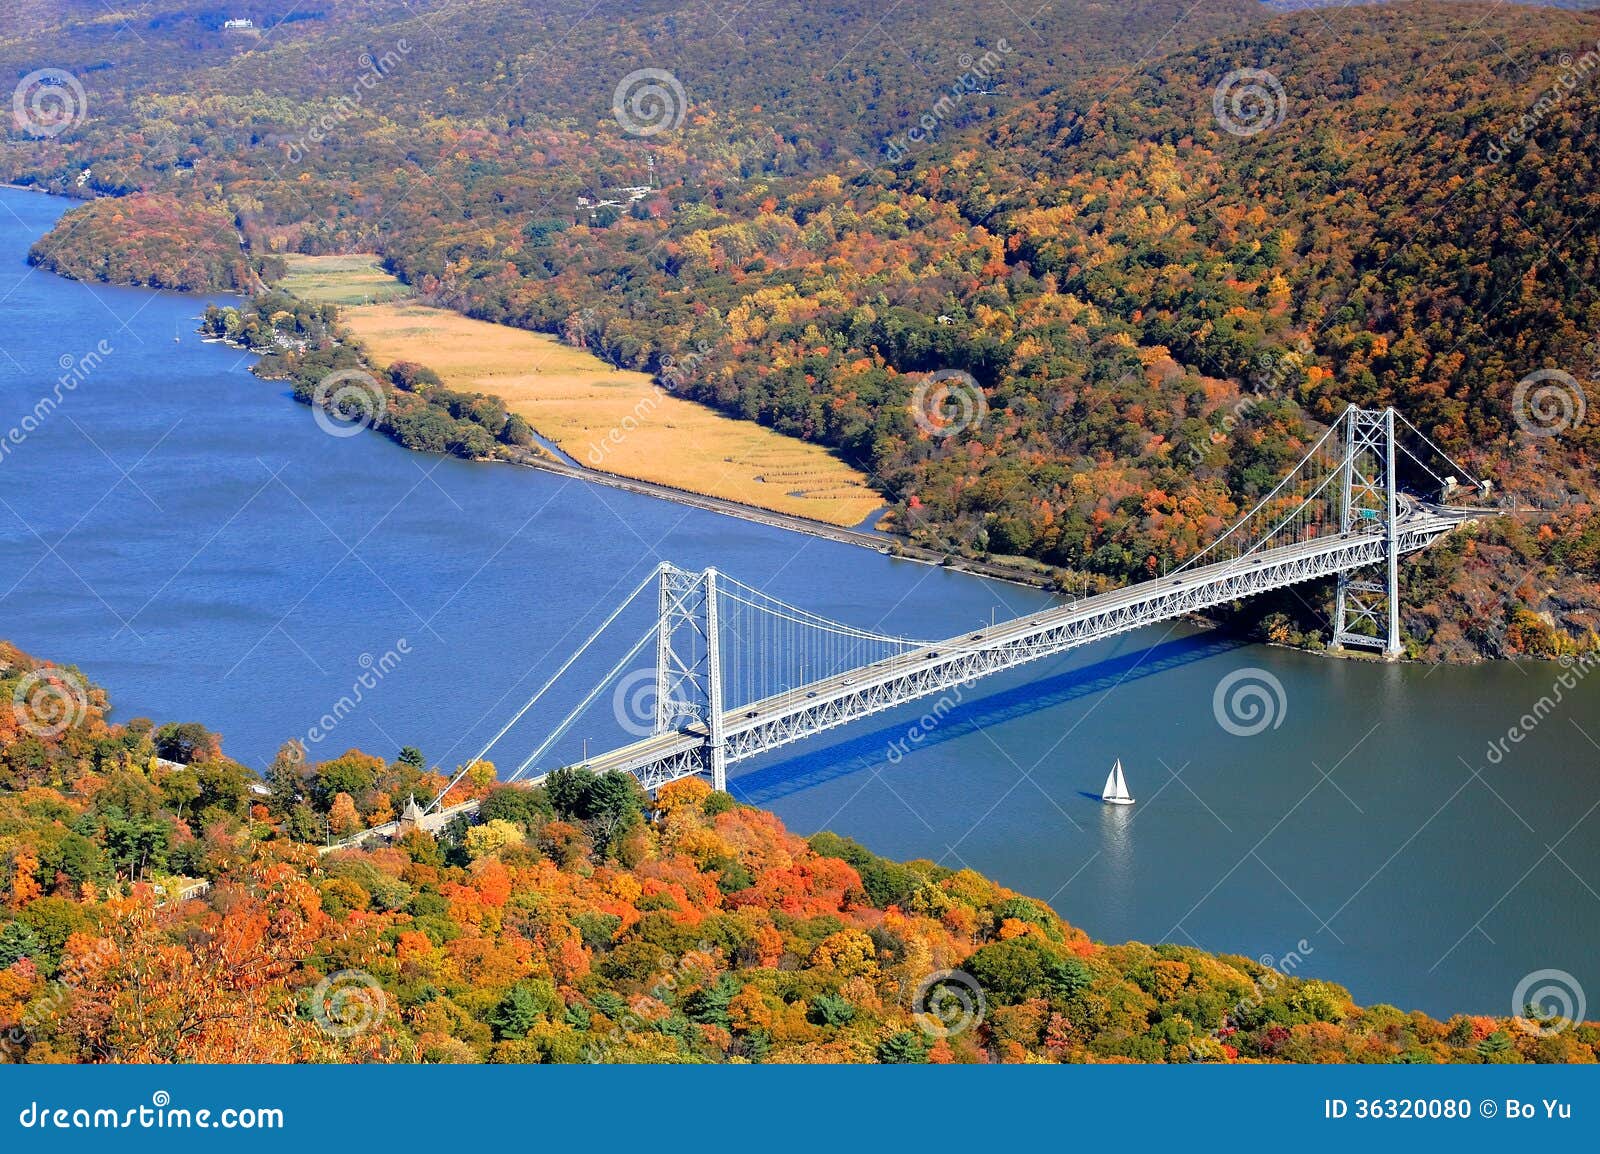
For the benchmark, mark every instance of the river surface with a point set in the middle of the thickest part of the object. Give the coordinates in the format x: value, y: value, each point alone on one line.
x: 195, y: 542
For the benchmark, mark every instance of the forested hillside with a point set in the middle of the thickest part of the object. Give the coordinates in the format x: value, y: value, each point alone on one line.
x: 157, y: 904
x: 1157, y: 302
x: 152, y: 242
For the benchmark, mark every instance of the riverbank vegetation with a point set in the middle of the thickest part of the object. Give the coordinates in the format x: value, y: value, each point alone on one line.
x: 151, y: 242
x: 159, y: 904
x: 619, y: 420
x: 300, y: 343
x: 1158, y: 313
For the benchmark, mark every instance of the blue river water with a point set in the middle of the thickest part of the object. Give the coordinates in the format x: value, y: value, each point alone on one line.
x: 195, y: 542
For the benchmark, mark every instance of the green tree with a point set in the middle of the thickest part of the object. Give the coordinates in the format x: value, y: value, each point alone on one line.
x: 522, y: 1007
x: 17, y: 940
x: 286, y: 778
x: 905, y: 1048
x: 186, y: 742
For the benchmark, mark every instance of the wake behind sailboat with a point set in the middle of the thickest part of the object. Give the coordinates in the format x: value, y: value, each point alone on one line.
x: 1116, y: 788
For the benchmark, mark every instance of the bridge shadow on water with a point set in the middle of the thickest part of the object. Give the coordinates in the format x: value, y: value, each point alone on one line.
x: 803, y: 771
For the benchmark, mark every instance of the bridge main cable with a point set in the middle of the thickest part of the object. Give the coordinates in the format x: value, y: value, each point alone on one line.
x: 543, y: 689
x: 1265, y: 501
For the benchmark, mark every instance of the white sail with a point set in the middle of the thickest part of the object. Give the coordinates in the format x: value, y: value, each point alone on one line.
x: 1116, y: 788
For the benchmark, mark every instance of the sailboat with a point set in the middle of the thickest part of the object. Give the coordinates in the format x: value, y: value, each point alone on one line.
x: 1116, y: 790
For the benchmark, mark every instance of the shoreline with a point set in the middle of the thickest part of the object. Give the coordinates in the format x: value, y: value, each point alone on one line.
x: 544, y: 456
x: 541, y: 457
x: 878, y: 541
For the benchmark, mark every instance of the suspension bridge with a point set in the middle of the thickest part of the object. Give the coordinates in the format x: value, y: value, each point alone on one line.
x: 734, y: 672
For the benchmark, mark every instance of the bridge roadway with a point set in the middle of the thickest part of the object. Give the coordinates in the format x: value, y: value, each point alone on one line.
x: 795, y: 714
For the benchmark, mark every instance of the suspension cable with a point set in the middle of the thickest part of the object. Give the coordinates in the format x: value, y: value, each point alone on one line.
x: 822, y: 624
x: 804, y: 616
x: 1456, y: 464
x: 1419, y: 461
x: 1262, y: 504
x: 556, y: 676
x: 566, y: 723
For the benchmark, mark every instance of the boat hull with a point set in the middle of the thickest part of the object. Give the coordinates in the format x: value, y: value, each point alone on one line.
x: 1117, y: 800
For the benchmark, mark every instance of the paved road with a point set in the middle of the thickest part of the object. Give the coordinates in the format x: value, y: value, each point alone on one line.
x: 1414, y: 516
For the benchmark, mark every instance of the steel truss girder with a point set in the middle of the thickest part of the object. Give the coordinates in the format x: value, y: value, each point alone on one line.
x: 790, y: 717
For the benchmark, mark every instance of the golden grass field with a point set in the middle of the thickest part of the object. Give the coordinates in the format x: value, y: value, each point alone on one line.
x: 349, y: 279
x: 603, y: 417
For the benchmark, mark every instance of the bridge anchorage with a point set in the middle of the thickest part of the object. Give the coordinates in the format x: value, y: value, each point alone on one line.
x: 737, y: 672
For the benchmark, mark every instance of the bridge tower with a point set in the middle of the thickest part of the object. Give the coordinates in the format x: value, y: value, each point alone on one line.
x: 689, y: 662
x: 1368, y: 499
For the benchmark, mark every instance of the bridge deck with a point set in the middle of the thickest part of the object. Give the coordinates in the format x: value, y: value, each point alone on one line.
x: 842, y: 698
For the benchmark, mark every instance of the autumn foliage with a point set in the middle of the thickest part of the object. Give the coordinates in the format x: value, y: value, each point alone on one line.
x: 1159, y: 313
x: 580, y: 921
x: 152, y: 241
